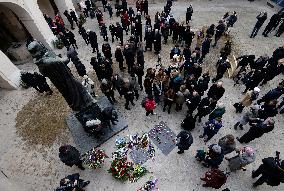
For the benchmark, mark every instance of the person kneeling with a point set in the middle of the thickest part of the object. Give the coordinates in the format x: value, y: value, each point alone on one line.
x: 72, y: 183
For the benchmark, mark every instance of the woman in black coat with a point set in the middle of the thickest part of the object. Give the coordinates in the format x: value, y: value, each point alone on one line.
x: 140, y: 55
x: 119, y: 57
x: 84, y: 34
x: 139, y: 71
x: 96, y: 67
x: 189, y: 122
x: 202, y: 84
x: 93, y: 40
x: 71, y: 38
x: 70, y: 156
x: 157, y: 41
x: 185, y: 141
x: 206, y: 106
x: 81, y: 69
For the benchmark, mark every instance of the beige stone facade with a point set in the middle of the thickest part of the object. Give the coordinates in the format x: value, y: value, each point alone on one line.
x: 23, y: 17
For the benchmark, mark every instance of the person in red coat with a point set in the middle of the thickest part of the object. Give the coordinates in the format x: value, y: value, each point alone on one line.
x: 150, y: 105
x: 126, y: 21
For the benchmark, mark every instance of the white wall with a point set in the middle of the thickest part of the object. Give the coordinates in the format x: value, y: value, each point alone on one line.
x: 9, y: 73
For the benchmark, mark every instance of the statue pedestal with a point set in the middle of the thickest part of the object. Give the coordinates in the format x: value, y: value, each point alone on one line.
x: 85, y: 141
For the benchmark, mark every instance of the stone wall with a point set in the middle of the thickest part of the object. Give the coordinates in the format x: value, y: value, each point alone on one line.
x: 8, y: 185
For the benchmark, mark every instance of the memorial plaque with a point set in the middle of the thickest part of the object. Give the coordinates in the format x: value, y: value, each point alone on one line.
x: 163, y: 137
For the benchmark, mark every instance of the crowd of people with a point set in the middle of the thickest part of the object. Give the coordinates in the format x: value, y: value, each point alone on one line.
x: 275, y: 21
x: 184, y: 81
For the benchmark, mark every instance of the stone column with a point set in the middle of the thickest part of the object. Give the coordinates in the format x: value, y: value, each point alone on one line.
x: 36, y: 24
x: 9, y: 73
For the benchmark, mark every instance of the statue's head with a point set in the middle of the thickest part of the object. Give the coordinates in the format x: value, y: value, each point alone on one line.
x: 36, y: 49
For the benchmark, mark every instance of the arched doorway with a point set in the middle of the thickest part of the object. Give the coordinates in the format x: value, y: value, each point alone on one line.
x: 32, y: 19
x: 23, y: 21
x: 13, y: 35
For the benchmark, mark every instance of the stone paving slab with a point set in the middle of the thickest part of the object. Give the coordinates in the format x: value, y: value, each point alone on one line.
x: 163, y: 137
x: 85, y: 141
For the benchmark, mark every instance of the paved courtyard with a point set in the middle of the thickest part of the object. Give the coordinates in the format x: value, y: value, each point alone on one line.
x: 32, y: 126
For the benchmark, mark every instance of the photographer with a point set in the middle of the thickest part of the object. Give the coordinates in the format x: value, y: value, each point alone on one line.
x: 72, y: 183
x: 271, y: 171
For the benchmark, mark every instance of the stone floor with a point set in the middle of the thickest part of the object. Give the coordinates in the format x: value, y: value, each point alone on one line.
x: 37, y: 166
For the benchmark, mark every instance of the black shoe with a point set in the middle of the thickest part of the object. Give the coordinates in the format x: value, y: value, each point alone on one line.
x: 241, y: 127
x: 205, y: 165
x: 238, y: 139
x: 85, y: 184
x: 205, y: 185
x: 127, y: 108
x: 164, y: 109
x: 180, y: 152
x: 252, y: 174
x: 236, y: 126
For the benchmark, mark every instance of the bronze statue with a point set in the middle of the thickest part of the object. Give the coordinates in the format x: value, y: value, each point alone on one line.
x: 56, y: 70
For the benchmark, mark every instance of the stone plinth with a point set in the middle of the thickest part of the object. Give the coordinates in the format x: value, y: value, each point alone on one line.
x: 84, y: 140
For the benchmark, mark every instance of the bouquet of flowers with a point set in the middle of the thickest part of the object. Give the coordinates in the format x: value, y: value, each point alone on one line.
x: 137, y: 141
x: 151, y: 151
x: 94, y: 158
x: 133, y: 141
x: 150, y: 185
x: 121, y: 169
x: 138, y: 172
x: 58, y: 43
x: 120, y: 142
x: 144, y: 140
x: 120, y: 153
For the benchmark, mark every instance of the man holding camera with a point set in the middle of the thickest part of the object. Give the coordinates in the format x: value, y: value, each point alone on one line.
x: 271, y: 171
